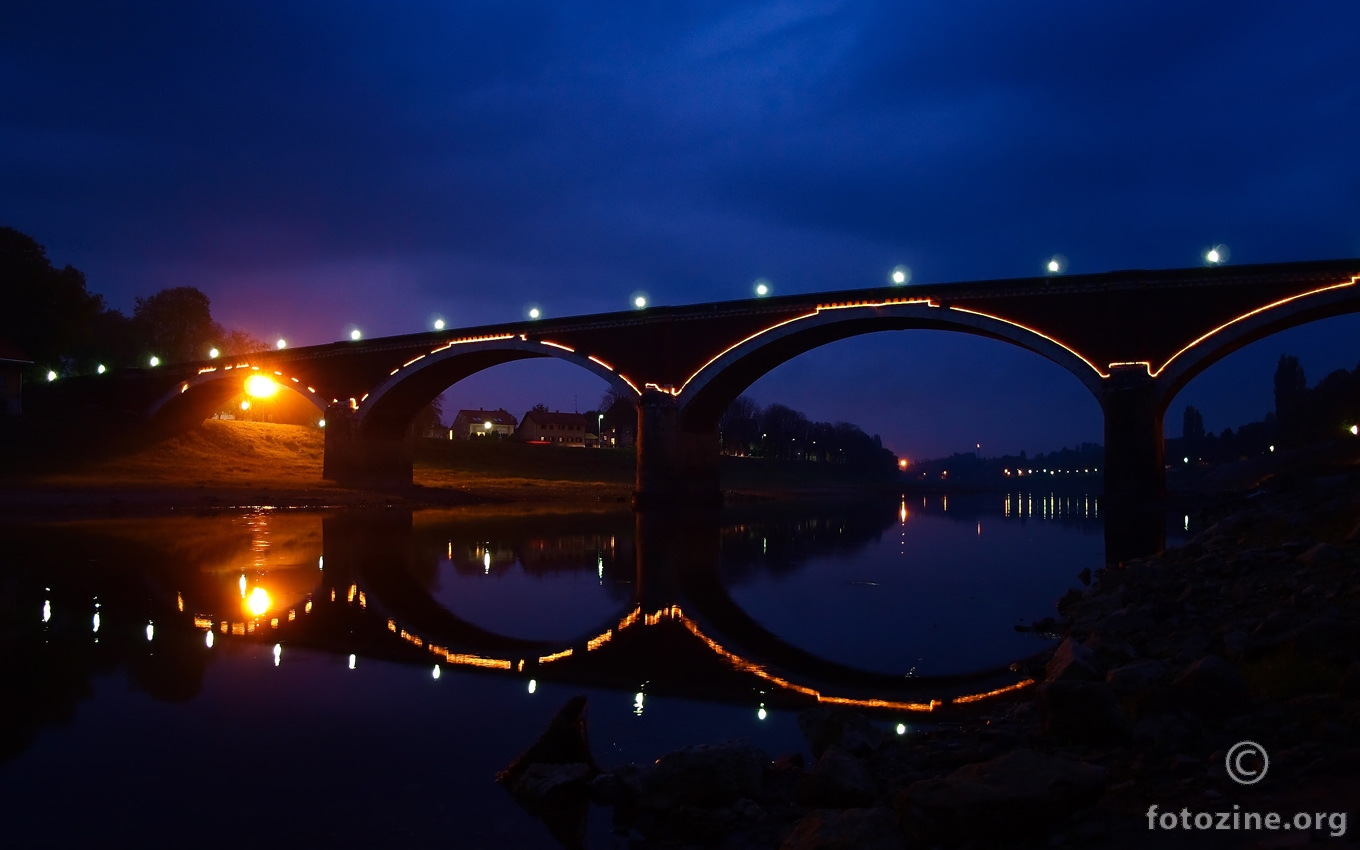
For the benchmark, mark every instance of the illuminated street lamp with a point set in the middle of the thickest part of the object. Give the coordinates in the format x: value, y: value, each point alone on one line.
x: 1216, y: 255
x: 534, y: 312
x: 1355, y: 430
x: 154, y: 361
x: 439, y: 324
x: 213, y: 353
x: 51, y: 376
x: 901, y: 275
x: 281, y: 344
x: 762, y: 287
x: 356, y: 335
x: 100, y: 369
x: 1057, y: 264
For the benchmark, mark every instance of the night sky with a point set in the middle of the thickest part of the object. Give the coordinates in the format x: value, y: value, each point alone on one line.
x: 312, y: 166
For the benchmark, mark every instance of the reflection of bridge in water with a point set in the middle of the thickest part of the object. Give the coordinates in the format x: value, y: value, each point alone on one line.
x: 678, y: 632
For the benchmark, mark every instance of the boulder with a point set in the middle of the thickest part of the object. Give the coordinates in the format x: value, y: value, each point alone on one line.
x: 846, y: 728
x: 838, y: 780
x: 1019, y: 794
x: 846, y: 829
x: 1210, y: 686
x: 564, y: 742
x: 704, y: 775
x: 540, y: 783
x: 1133, y: 678
x: 1081, y: 713
x: 1071, y: 661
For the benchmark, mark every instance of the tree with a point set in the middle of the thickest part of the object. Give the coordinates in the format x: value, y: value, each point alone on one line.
x: 1192, y: 430
x: 615, y: 394
x: 1290, y: 388
x: 176, y: 324
x: 47, y: 312
x: 429, y: 421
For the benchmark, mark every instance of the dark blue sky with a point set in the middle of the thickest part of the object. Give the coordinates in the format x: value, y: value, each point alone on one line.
x: 314, y: 166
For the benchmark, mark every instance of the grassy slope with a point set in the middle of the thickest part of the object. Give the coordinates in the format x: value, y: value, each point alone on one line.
x: 229, y: 455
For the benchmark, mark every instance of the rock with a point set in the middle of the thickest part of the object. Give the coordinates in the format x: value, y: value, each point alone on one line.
x: 750, y: 810
x: 538, y: 783
x: 846, y: 829
x: 704, y: 775
x: 1129, y: 680
x: 1211, y: 686
x: 1319, y: 555
x: 1081, y: 713
x: 838, y: 780
x: 846, y: 728
x: 1071, y: 661
x: 564, y: 742
x: 1019, y: 794
x: 695, y: 825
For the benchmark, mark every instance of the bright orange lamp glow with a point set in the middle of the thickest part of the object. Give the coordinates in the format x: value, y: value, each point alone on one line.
x: 257, y: 602
x: 259, y: 386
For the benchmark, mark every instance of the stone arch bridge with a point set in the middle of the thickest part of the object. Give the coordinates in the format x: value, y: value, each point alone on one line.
x: 1133, y: 338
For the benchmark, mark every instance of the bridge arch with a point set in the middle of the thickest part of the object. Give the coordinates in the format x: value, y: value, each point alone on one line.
x: 704, y: 397
x: 387, y: 411
x: 196, y: 398
x: 1183, y: 366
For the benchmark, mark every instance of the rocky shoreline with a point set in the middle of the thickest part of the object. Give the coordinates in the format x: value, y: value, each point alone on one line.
x: 1249, y: 632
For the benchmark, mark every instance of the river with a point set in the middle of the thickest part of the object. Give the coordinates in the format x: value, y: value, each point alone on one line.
x: 357, y: 678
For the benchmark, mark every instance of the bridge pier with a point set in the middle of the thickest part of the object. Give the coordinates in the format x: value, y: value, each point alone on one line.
x: 675, y: 468
x: 354, y: 460
x: 1135, y: 471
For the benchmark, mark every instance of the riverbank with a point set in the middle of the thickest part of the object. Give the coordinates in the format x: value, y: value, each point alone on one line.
x: 1249, y: 632
x: 224, y: 465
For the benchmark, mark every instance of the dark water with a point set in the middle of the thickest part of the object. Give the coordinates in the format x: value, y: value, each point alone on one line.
x: 315, y: 717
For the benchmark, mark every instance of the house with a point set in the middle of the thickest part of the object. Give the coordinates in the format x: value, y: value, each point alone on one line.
x: 482, y: 423
x: 12, y: 363
x: 555, y: 428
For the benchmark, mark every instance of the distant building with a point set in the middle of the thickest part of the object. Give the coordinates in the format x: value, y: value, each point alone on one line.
x: 558, y: 429
x: 482, y: 423
x: 12, y: 363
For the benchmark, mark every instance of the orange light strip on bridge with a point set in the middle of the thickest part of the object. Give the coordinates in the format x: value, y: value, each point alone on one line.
x: 556, y: 656
x: 601, y: 362
x: 1251, y: 313
x: 892, y: 302
x: 1037, y: 333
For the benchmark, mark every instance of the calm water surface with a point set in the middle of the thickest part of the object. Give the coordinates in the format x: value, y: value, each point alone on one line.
x: 369, y: 672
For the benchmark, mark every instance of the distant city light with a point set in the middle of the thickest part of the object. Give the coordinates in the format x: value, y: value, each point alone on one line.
x: 534, y: 312
x: 901, y: 275
x: 761, y: 714
x: 533, y: 685
x: 1355, y: 430
x: 100, y: 369
x: 321, y: 423
x: 356, y: 335
x: 351, y: 661
x: 762, y: 287
x: 150, y: 631
x: 439, y: 326
x: 208, y: 638
x: 282, y: 343
x: 435, y: 674
x: 260, y: 386
x: 213, y: 353
x: 278, y: 653
x: 155, y: 361
x: 901, y: 728
x: 51, y: 376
